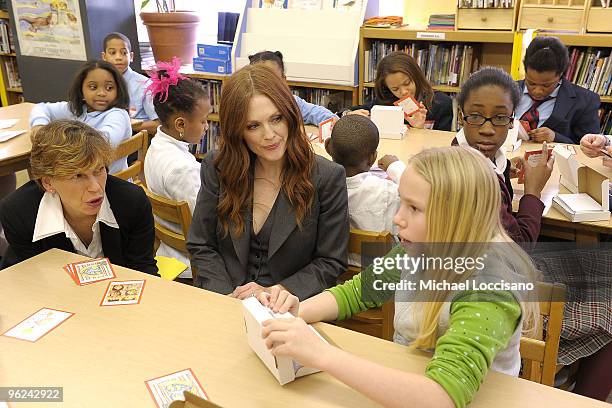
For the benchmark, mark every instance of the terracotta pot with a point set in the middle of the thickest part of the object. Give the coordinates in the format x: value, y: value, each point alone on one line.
x: 172, y: 34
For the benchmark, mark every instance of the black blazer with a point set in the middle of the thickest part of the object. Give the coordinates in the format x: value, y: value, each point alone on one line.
x: 304, y: 261
x: 441, y: 111
x: 575, y: 113
x: 130, y: 246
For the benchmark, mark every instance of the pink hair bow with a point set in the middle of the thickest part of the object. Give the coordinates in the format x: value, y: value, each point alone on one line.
x: 160, y: 84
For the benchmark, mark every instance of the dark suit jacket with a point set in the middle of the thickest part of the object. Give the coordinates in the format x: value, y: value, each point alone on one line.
x: 130, y: 246
x: 575, y: 113
x: 304, y: 261
x: 441, y: 111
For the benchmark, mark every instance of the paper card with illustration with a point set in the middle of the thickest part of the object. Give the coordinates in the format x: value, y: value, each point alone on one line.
x: 325, y: 128
x: 170, y: 387
x: 87, y: 272
x: 39, y: 324
x: 532, y: 158
x: 409, y: 105
x: 123, y: 293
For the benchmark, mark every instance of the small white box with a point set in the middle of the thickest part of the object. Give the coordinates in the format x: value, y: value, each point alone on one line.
x: 285, y: 369
x: 565, y: 159
x: 389, y: 120
x: 591, y: 202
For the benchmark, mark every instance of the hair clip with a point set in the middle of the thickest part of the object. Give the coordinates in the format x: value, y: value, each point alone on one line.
x: 161, y: 83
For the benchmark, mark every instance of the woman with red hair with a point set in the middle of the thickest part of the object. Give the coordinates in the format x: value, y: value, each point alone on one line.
x: 269, y: 211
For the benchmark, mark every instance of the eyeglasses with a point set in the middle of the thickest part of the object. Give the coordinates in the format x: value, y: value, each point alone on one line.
x: 479, y: 120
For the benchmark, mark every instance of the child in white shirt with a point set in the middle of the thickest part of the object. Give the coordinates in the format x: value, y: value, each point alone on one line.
x: 372, y: 201
x: 171, y: 171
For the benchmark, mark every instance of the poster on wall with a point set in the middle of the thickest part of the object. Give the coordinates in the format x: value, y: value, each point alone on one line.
x: 50, y: 29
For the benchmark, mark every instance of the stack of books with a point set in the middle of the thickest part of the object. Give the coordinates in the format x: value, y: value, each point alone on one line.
x: 485, y: 3
x: 441, y: 22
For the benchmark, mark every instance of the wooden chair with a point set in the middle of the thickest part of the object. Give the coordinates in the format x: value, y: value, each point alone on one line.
x: 376, y: 322
x: 539, y: 355
x: 137, y: 143
x: 176, y: 212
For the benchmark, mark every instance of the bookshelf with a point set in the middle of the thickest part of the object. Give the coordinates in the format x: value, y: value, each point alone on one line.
x: 11, y: 91
x: 493, y: 48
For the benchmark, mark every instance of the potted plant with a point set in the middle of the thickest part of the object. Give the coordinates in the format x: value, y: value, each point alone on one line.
x: 171, y: 32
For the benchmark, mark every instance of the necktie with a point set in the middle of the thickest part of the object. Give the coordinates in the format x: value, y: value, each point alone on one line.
x: 532, y: 115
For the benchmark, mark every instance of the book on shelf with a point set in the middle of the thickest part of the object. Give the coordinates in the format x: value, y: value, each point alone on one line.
x: 208, y: 142
x: 485, y: 3
x: 12, y: 73
x: 442, y: 64
x: 6, y: 42
x: 441, y: 22
x: 591, y: 68
x: 605, y: 114
x: 214, y: 93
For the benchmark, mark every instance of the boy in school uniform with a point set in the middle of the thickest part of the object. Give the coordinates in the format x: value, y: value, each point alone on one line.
x: 372, y: 200
x: 556, y: 109
x: 118, y: 51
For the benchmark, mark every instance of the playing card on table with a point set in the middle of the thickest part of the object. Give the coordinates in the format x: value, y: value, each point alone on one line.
x: 87, y: 272
x: 325, y: 128
x: 38, y: 324
x: 123, y: 293
x: 409, y: 105
x: 170, y: 388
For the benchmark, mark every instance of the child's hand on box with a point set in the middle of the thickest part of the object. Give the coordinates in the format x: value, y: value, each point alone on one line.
x: 280, y: 301
x: 293, y: 338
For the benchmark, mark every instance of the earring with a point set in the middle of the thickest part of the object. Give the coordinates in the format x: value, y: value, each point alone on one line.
x: 181, y: 136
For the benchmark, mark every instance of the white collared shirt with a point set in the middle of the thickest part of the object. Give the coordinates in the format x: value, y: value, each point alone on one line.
x: 173, y: 172
x: 50, y: 221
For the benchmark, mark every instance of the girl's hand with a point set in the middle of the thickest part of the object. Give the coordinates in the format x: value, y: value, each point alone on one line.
x: 516, y: 164
x: 293, y: 338
x: 386, y: 161
x: 591, y: 144
x: 417, y: 120
x: 280, y: 301
x: 537, y: 176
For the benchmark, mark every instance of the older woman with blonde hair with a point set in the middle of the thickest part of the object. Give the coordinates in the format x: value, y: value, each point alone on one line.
x: 74, y: 205
x: 269, y: 211
x: 446, y: 215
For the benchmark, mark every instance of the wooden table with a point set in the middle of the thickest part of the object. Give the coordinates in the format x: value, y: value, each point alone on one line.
x: 103, y: 355
x: 554, y: 223
x: 15, y: 153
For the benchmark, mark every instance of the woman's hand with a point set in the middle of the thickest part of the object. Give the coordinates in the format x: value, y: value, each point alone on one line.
x: 417, y: 119
x: 280, y: 301
x: 591, y: 144
x: 294, y: 338
x: 251, y: 289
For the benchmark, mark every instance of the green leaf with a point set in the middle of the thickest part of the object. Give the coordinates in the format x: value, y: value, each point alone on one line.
x: 144, y: 3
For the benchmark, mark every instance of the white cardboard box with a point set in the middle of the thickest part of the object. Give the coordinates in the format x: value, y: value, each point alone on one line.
x: 591, y: 202
x: 285, y: 369
x: 389, y: 120
x: 565, y: 159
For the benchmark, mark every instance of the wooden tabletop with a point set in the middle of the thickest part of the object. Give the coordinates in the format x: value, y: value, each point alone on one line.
x: 102, y: 356
x: 15, y: 153
x: 419, y: 139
